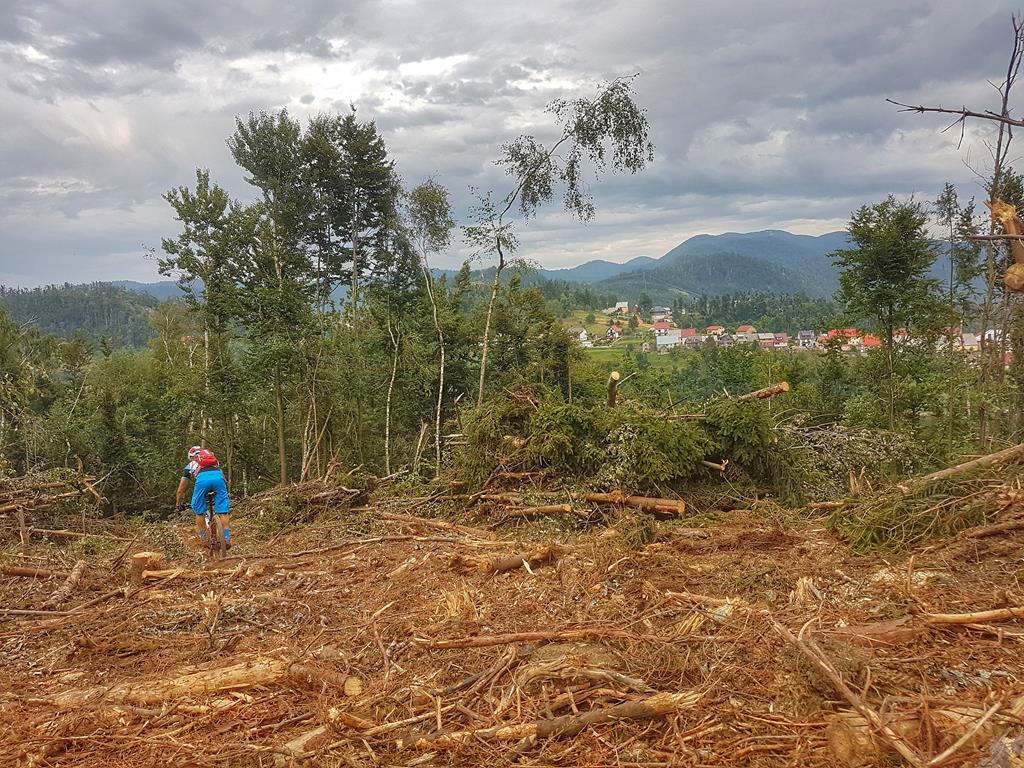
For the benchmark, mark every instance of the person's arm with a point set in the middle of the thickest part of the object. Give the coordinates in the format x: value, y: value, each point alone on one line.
x: 182, y: 485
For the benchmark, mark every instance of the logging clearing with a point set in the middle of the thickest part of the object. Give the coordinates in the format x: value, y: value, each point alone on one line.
x: 530, y: 624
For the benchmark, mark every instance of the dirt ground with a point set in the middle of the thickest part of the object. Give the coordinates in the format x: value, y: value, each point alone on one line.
x: 326, y: 645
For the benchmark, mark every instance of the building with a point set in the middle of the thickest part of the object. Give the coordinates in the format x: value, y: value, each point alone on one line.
x: 766, y: 340
x: 781, y: 341
x: 869, y: 341
x: 614, y: 332
x: 667, y: 341
x: 687, y: 333
x: 715, y: 330
x: 746, y: 329
x: 971, y: 342
x: 661, y: 327
x: 660, y: 313
x: 725, y: 340
x: 581, y: 335
x: 806, y: 339
x: 622, y: 307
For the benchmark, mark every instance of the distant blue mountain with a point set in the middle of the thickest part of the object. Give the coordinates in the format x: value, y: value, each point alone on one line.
x: 771, y: 260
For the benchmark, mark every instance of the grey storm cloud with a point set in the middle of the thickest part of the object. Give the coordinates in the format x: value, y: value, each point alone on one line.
x: 764, y: 115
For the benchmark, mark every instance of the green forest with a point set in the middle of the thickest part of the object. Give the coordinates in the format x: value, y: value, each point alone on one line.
x: 314, y: 332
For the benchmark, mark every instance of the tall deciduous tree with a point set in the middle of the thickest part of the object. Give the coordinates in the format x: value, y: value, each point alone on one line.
x: 430, y: 225
x: 608, y: 129
x: 885, y: 275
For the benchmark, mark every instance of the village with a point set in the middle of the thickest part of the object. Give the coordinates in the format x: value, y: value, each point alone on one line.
x: 662, y: 335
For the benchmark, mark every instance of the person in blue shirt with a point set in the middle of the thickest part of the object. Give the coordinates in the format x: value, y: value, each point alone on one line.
x: 203, y: 471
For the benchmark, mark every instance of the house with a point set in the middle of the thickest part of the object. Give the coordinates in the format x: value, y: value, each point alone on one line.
x: 662, y: 327
x: 806, y: 339
x: 687, y: 333
x: 766, y: 340
x: 715, y: 330
x: 622, y: 307
x: 972, y: 342
x: 614, y: 332
x: 581, y: 335
x: 725, y: 341
x: 747, y: 337
x: 781, y: 341
x: 667, y: 341
x: 746, y: 329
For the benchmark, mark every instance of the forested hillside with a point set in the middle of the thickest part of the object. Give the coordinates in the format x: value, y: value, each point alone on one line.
x: 95, y: 310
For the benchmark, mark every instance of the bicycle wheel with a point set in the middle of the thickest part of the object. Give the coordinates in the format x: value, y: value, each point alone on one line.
x: 218, y: 547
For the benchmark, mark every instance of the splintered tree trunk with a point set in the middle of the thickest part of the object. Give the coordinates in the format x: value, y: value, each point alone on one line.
x: 613, y: 388
x: 761, y: 394
x: 387, y: 401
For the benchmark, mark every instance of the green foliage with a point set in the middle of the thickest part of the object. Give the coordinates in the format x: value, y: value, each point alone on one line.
x: 88, y: 312
x: 647, y: 453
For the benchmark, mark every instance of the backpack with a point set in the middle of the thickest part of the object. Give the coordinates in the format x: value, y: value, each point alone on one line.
x: 205, y: 458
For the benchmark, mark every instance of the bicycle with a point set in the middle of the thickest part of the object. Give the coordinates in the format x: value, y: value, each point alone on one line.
x: 215, y: 530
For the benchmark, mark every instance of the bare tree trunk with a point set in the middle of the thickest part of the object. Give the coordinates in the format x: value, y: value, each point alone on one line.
x: 487, y: 326
x: 428, y: 280
x: 282, y: 455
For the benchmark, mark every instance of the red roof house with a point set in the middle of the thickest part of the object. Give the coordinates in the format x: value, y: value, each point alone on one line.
x: 746, y: 329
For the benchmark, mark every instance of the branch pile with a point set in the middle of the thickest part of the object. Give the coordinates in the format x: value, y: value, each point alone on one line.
x: 943, y: 503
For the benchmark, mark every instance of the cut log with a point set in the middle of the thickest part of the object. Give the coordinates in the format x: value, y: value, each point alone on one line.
x: 546, y: 510
x: 535, y: 559
x: 717, y: 467
x: 761, y: 394
x: 613, y: 388
x: 661, y: 507
x: 1000, y: 457
x: 653, y: 707
x: 64, y: 591
x: 816, y: 505
x: 31, y: 573
x: 234, y: 677
x: 145, y: 561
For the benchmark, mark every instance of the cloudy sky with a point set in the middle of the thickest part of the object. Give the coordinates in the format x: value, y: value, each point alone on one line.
x: 764, y: 114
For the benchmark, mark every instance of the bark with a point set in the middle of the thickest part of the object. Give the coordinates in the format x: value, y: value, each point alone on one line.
x: 669, y: 507
x: 978, y: 617
x: 64, y: 591
x: 145, y: 561
x: 761, y: 394
x: 653, y: 707
x: 993, y: 459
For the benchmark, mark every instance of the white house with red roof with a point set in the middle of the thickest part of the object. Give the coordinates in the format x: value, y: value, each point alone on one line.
x: 614, y: 332
x: 715, y: 330
x: 662, y: 327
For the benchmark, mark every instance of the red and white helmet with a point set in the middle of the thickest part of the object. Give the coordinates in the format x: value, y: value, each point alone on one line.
x: 193, y: 452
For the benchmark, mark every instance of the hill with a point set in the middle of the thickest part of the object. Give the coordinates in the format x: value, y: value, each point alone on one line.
x: 95, y: 309
x: 768, y: 261
x: 598, y: 269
